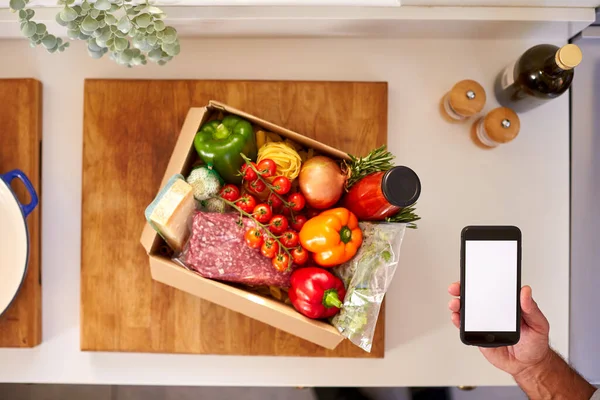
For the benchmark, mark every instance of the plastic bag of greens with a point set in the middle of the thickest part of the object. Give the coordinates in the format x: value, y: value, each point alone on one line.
x: 367, y: 278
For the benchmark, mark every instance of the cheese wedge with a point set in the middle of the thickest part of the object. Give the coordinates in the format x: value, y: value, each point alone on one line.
x: 171, y: 210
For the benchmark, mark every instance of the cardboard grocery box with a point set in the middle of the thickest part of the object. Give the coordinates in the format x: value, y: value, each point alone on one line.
x: 251, y: 304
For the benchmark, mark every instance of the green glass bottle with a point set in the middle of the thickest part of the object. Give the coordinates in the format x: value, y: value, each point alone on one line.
x: 542, y: 73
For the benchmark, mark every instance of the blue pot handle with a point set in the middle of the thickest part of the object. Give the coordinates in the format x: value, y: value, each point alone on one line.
x: 17, y: 173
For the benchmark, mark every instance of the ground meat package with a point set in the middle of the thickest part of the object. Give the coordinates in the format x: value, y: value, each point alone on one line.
x: 217, y: 250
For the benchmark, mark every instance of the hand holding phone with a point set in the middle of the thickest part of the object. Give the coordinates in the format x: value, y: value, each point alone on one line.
x: 490, y: 274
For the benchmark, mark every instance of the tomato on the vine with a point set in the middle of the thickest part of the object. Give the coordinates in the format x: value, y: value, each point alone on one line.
x: 269, y: 248
x: 262, y: 213
x: 253, y: 238
x: 267, y: 168
x: 230, y: 192
x: 248, y: 173
x: 257, y: 186
x: 281, y: 185
x: 298, y: 222
x: 300, y: 255
x: 281, y: 262
x: 297, y: 201
x: 274, y: 201
x: 290, y: 239
x: 246, y: 203
x: 278, y: 224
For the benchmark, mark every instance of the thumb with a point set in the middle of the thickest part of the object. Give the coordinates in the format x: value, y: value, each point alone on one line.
x: 531, y: 313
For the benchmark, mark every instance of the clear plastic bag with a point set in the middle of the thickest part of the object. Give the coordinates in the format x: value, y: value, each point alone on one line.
x: 217, y: 250
x: 367, y: 278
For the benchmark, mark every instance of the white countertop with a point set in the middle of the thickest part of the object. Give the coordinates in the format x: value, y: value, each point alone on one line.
x: 525, y: 183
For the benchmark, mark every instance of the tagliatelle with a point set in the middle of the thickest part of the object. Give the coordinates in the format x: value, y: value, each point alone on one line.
x: 287, y: 159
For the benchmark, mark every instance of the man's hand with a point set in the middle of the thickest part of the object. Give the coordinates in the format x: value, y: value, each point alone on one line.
x: 538, y: 370
x: 533, y: 347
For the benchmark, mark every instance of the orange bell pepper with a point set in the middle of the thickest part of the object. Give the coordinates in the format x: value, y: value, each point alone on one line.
x: 333, y: 236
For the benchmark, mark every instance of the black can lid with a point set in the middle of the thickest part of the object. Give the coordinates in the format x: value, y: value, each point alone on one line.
x: 401, y: 186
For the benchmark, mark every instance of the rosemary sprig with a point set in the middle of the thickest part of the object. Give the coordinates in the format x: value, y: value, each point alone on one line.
x: 358, y: 167
x: 406, y: 216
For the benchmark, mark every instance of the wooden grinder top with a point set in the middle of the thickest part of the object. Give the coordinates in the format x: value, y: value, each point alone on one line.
x: 502, y: 124
x: 467, y: 98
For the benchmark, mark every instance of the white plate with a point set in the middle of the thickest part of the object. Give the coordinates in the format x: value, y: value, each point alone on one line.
x: 14, y: 246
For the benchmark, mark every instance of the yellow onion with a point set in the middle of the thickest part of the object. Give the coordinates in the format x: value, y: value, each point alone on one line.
x: 321, y: 182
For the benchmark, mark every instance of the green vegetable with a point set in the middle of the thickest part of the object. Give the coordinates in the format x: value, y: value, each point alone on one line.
x: 367, y: 277
x: 219, y: 144
x: 205, y: 182
x: 214, y: 205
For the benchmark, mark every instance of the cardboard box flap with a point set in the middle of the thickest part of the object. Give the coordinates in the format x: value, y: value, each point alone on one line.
x: 296, y: 137
x: 182, y: 155
x: 269, y: 311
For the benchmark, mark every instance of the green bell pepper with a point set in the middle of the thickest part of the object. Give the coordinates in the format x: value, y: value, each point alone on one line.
x: 219, y: 144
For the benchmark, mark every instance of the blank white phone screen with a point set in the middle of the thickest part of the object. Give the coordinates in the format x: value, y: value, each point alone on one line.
x: 490, y: 285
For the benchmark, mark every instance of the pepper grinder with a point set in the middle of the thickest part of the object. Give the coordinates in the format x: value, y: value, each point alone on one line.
x: 465, y: 99
x: 499, y: 126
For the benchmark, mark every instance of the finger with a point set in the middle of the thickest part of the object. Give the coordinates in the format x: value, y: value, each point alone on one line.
x: 454, y: 289
x: 454, y: 305
x: 531, y: 313
x: 455, y: 317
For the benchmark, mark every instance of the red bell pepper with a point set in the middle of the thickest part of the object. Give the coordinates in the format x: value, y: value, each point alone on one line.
x: 316, y: 293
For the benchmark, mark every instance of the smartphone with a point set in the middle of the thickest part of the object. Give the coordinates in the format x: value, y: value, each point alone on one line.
x: 490, y: 282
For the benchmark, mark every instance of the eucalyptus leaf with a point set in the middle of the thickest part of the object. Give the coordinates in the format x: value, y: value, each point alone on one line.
x: 40, y: 29
x: 103, y: 5
x: 29, y: 29
x: 89, y: 24
x: 95, y: 54
x: 49, y: 42
x: 159, y: 26
x: 131, y: 31
x: 155, y: 55
x: 68, y: 14
x: 169, y: 35
x: 121, y: 44
x: 152, y: 40
x: 17, y: 4
x: 60, y: 21
x: 110, y: 19
x: 93, y: 46
x: 143, y: 20
x: 172, y: 49
x: 73, y: 33
x: 124, y: 25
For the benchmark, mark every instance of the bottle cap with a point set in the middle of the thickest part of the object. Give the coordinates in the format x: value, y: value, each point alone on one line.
x: 467, y: 98
x: 401, y: 186
x: 569, y: 56
x: 502, y: 124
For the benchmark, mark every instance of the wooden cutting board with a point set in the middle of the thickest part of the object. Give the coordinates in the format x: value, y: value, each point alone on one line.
x: 130, y: 129
x: 20, y: 148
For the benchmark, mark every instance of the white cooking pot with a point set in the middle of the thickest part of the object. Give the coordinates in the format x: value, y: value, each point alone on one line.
x: 14, y: 237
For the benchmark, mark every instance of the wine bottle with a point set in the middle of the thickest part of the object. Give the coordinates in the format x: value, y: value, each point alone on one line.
x: 542, y: 73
